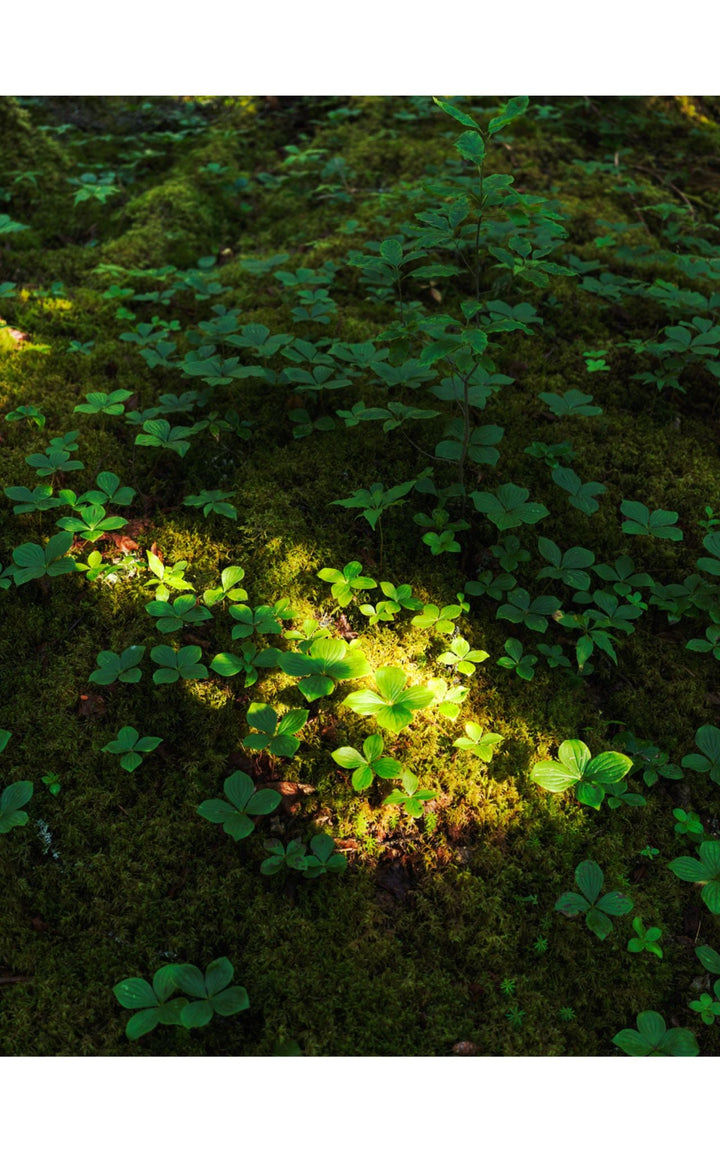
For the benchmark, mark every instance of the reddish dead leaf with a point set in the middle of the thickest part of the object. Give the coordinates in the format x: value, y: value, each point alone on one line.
x: 349, y: 845
x: 465, y: 1048
x: 137, y: 527
x: 292, y: 788
x: 15, y: 334
x: 38, y: 924
x: 343, y: 628
x: 156, y: 552
x: 125, y: 544
x: 91, y: 705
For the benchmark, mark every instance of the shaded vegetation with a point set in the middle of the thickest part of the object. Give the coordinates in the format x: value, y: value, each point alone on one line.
x: 358, y: 388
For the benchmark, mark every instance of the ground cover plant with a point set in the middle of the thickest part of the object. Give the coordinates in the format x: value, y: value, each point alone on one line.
x: 354, y: 640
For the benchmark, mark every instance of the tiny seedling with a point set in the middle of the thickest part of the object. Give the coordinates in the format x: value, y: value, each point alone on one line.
x: 576, y: 769
x: 166, y: 578
x: 652, y: 1038
x: 368, y: 764
x: 242, y: 803
x: 131, y: 747
x: 52, y: 782
x: 482, y: 745
x: 589, y: 879
x: 412, y: 798
x: 645, y: 939
x: 275, y: 736
x: 124, y: 667
x: 393, y: 704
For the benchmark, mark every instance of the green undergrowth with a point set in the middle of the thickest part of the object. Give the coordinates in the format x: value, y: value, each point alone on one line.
x: 441, y: 927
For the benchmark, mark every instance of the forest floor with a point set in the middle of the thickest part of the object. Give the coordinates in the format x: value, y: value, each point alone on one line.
x: 271, y: 305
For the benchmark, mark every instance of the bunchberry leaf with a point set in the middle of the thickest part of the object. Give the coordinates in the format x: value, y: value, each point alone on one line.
x: 242, y: 803
x: 393, y: 704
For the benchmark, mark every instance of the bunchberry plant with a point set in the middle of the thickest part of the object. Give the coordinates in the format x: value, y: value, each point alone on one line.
x: 183, y: 663
x: 393, y: 704
x: 166, y: 578
x: 41, y: 499
x: 375, y: 500
x: 53, y: 461
x: 508, y: 507
x: 130, y: 746
x: 594, y: 360
x: 276, y: 736
x: 322, y: 858
x: 618, y: 794
x: 554, y: 656
x: 522, y: 664
x: 83, y: 349
x: 111, y: 667
x: 479, y: 743
x: 104, y: 403
x: 439, y: 619
x: 242, y: 803
x: 326, y: 663
x: 412, y: 797
x: 576, y: 768
x: 51, y: 780
x: 580, y: 495
x: 210, y: 992
x: 151, y: 1004
x: 705, y: 871
x: 519, y: 609
x: 640, y: 521
x: 687, y: 823
x: 510, y: 554
x: 448, y: 698
x: 598, y: 909
x: 109, y: 490
x: 711, y: 643
x: 368, y: 764
x: 570, y: 567
x: 27, y: 412
x: 572, y: 403
x: 215, y: 501
x: 344, y: 584
x: 160, y: 434
x: 184, y: 610
x: 461, y: 658
x: 645, y: 939
x: 91, y: 523
x: 247, y: 660
x: 31, y: 562
x: 228, y: 588
x: 707, y: 739
x: 551, y: 454
x: 265, y: 620
x: 708, y: 1009
x: 653, y: 1038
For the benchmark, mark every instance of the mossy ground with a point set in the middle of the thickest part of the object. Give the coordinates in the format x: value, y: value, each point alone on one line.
x: 405, y: 953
